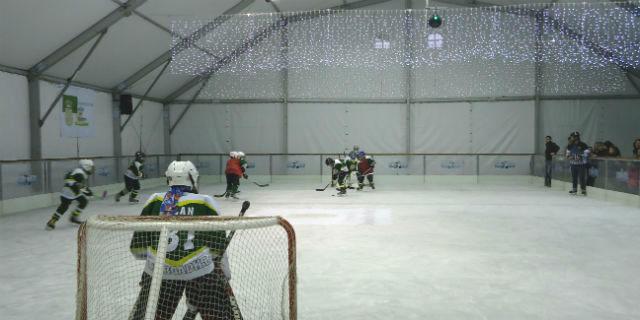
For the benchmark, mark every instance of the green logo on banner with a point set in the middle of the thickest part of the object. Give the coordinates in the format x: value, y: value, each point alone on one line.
x: 73, y: 115
x: 69, y: 108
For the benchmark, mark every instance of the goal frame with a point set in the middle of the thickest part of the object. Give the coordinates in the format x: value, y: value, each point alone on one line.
x: 163, y: 224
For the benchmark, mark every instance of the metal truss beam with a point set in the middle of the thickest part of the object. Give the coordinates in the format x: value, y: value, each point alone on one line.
x: 184, y: 44
x: 257, y: 38
x: 144, y: 96
x: 86, y: 35
x: 633, y: 83
x: 167, y: 30
x: 413, y: 101
x: 186, y: 109
x: 68, y: 82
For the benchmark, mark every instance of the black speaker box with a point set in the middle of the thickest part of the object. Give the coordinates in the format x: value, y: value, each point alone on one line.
x: 126, y: 104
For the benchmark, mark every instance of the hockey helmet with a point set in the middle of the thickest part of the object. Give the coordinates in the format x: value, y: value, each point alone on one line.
x: 86, y: 165
x: 182, y: 173
x: 329, y: 161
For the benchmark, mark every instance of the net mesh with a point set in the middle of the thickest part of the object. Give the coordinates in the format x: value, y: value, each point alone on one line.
x: 254, y: 279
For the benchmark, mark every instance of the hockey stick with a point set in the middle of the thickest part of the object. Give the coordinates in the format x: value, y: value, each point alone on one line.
x: 220, y: 195
x: 325, y: 187
x: 260, y: 185
x: 235, y: 309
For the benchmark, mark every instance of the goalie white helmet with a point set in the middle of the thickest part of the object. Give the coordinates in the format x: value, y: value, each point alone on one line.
x: 240, y: 154
x: 182, y: 173
x: 233, y: 154
x: 86, y: 165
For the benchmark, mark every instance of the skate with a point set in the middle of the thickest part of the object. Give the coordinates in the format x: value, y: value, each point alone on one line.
x: 360, y: 186
x: 75, y: 219
x: 118, y: 196
x: 51, y: 224
x: 573, y: 192
x: 372, y: 185
x: 133, y: 200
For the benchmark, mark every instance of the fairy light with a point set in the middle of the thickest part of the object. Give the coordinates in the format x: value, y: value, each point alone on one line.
x: 368, y: 46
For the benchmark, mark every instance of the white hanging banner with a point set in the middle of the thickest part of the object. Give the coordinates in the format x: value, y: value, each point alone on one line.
x: 76, y: 120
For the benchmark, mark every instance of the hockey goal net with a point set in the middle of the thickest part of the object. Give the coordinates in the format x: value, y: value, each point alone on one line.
x: 139, y: 268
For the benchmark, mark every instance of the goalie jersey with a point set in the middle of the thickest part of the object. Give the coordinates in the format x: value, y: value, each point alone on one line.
x: 189, y: 254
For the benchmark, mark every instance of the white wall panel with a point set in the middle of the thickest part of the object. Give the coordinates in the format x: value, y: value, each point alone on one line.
x: 248, y: 85
x: 573, y: 79
x: 377, y: 127
x: 441, y: 128
x: 54, y: 146
x: 14, y: 117
x: 503, y: 127
x: 252, y: 128
x: 596, y: 120
x: 344, y: 83
x: 621, y: 123
x: 257, y: 128
x: 561, y: 117
x: 204, y: 129
x: 317, y: 128
x: 481, y: 78
x: 330, y: 128
x: 146, y: 128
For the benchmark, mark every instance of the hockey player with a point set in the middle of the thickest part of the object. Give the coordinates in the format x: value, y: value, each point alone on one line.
x: 366, y: 166
x: 243, y: 164
x: 339, y: 171
x: 352, y: 166
x: 132, y: 178
x: 76, y: 188
x: 234, y: 170
x: 192, y: 265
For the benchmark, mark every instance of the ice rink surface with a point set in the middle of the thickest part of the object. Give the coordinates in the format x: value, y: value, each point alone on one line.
x: 397, y: 252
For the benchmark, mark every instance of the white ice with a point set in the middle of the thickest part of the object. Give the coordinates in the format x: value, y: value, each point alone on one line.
x: 397, y: 252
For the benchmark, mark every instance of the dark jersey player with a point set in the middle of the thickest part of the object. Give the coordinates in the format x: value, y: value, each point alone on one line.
x: 132, y: 178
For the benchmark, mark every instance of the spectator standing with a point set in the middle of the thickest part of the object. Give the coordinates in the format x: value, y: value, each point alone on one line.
x: 550, y: 150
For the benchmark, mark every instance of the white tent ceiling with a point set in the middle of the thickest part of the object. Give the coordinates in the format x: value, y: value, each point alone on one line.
x: 30, y: 30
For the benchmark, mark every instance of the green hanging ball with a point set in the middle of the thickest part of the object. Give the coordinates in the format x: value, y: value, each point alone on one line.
x: 435, y: 21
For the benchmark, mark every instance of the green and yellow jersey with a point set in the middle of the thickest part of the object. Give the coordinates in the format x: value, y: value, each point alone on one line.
x: 189, y: 253
x: 74, y: 182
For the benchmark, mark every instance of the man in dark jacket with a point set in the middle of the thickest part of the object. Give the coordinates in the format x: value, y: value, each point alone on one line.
x: 578, y: 155
x: 550, y: 150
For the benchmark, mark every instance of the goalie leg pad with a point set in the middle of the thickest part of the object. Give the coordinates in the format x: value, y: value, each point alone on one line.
x: 208, y: 295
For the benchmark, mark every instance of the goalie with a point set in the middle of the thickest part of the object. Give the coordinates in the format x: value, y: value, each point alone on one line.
x: 192, y: 264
